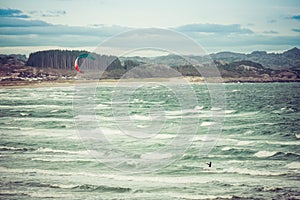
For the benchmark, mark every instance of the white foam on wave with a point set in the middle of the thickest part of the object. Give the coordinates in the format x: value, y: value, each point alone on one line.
x: 293, y: 165
x: 35, y: 106
x: 176, y: 195
x: 63, y: 159
x: 198, y: 107
x: 207, y: 123
x: 141, y: 117
x: 281, y: 142
x: 297, y: 136
x: 244, y: 143
x: 264, y: 154
x: 215, y: 109
x: 43, y: 119
x: 86, y: 118
x: 229, y: 111
x: 183, y: 111
x: 101, y: 106
x: 156, y: 156
x: 10, y: 148
x: 164, y: 136
x: 49, y: 150
x: 226, y: 148
x: 253, y: 172
x: 249, y: 132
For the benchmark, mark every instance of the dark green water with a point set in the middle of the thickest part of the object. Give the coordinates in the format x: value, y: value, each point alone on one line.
x: 51, y: 150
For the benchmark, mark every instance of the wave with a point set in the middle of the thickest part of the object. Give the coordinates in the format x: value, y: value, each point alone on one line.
x: 34, y: 106
x: 141, y: 117
x: 164, y: 136
x: 49, y: 150
x: 44, y: 119
x: 244, y: 143
x: 253, y: 172
x: 293, y: 165
x: 264, y: 154
x: 63, y: 159
x: 101, y: 188
x: 9, y: 194
x: 237, y: 151
x: 207, y: 123
x: 281, y: 142
x: 7, y: 148
x: 278, y: 155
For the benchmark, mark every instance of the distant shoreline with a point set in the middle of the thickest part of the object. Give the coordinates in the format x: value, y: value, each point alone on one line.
x: 65, y: 83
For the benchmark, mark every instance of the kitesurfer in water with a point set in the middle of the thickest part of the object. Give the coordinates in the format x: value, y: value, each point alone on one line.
x: 209, y: 164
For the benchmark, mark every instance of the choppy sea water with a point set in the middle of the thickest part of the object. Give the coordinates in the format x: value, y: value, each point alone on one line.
x: 257, y: 155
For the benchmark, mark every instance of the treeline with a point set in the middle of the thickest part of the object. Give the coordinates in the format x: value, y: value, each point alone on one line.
x: 64, y: 59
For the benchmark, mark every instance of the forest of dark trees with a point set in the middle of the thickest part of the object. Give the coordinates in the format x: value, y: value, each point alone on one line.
x: 64, y: 59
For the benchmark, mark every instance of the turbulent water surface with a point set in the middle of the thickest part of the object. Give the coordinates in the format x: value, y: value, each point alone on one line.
x: 44, y: 153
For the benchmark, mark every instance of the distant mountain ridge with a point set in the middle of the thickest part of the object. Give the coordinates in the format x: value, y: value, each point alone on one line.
x: 287, y: 59
x: 258, y: 66
x: 275, y: 61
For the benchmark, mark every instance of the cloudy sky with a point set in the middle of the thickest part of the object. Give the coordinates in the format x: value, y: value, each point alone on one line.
x: 217, y: 25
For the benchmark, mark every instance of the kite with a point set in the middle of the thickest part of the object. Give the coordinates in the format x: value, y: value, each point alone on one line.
x: 85, y: 55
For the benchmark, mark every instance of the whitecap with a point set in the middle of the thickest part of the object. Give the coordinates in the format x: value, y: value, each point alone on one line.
x: 249, y: 132
x: 229, y: 111
x: 244, y: 143
x: 207, y: 123
x: 293, y: 165
x: 156, y: 156
x: 215, y: 109
x: 49, y: 150
x: 226, y: 148
x: 198, y: 107
x: 263, y: 154
x: 63, y: 159
x: 141, y: 117
x: 24, y: 114
x: 164, y: 136
x: 253, y: 172
x: 101, y: 106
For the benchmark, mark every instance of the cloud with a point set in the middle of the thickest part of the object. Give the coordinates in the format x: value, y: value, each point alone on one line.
x: 296, y: 30
x: 37, y: 27
x: 15, y: 22
x: 272, y: 21
x: 270, y: 32
x: 48, y: 13
x: 214, y: 28
x: 296, y: 17
x: 21, y: 32
x: 15, y: 13
x: 26, y: 32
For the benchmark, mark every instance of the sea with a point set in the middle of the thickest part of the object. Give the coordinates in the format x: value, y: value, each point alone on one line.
x: 150, y: 141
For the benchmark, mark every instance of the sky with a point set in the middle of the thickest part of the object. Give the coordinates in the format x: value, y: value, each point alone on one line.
x: 216, y: 25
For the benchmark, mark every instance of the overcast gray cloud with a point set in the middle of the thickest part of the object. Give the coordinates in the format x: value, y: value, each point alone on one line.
x: 7, y: 12
x: 214, y: 28
x: 16, y: 22
x: 27, y: 31
x: 296, y: 30
x: 48, y: 13
x: 270, y: 32
x: 296, y: 17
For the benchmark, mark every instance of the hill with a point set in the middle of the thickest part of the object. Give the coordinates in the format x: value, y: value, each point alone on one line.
x: 54, y: 65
